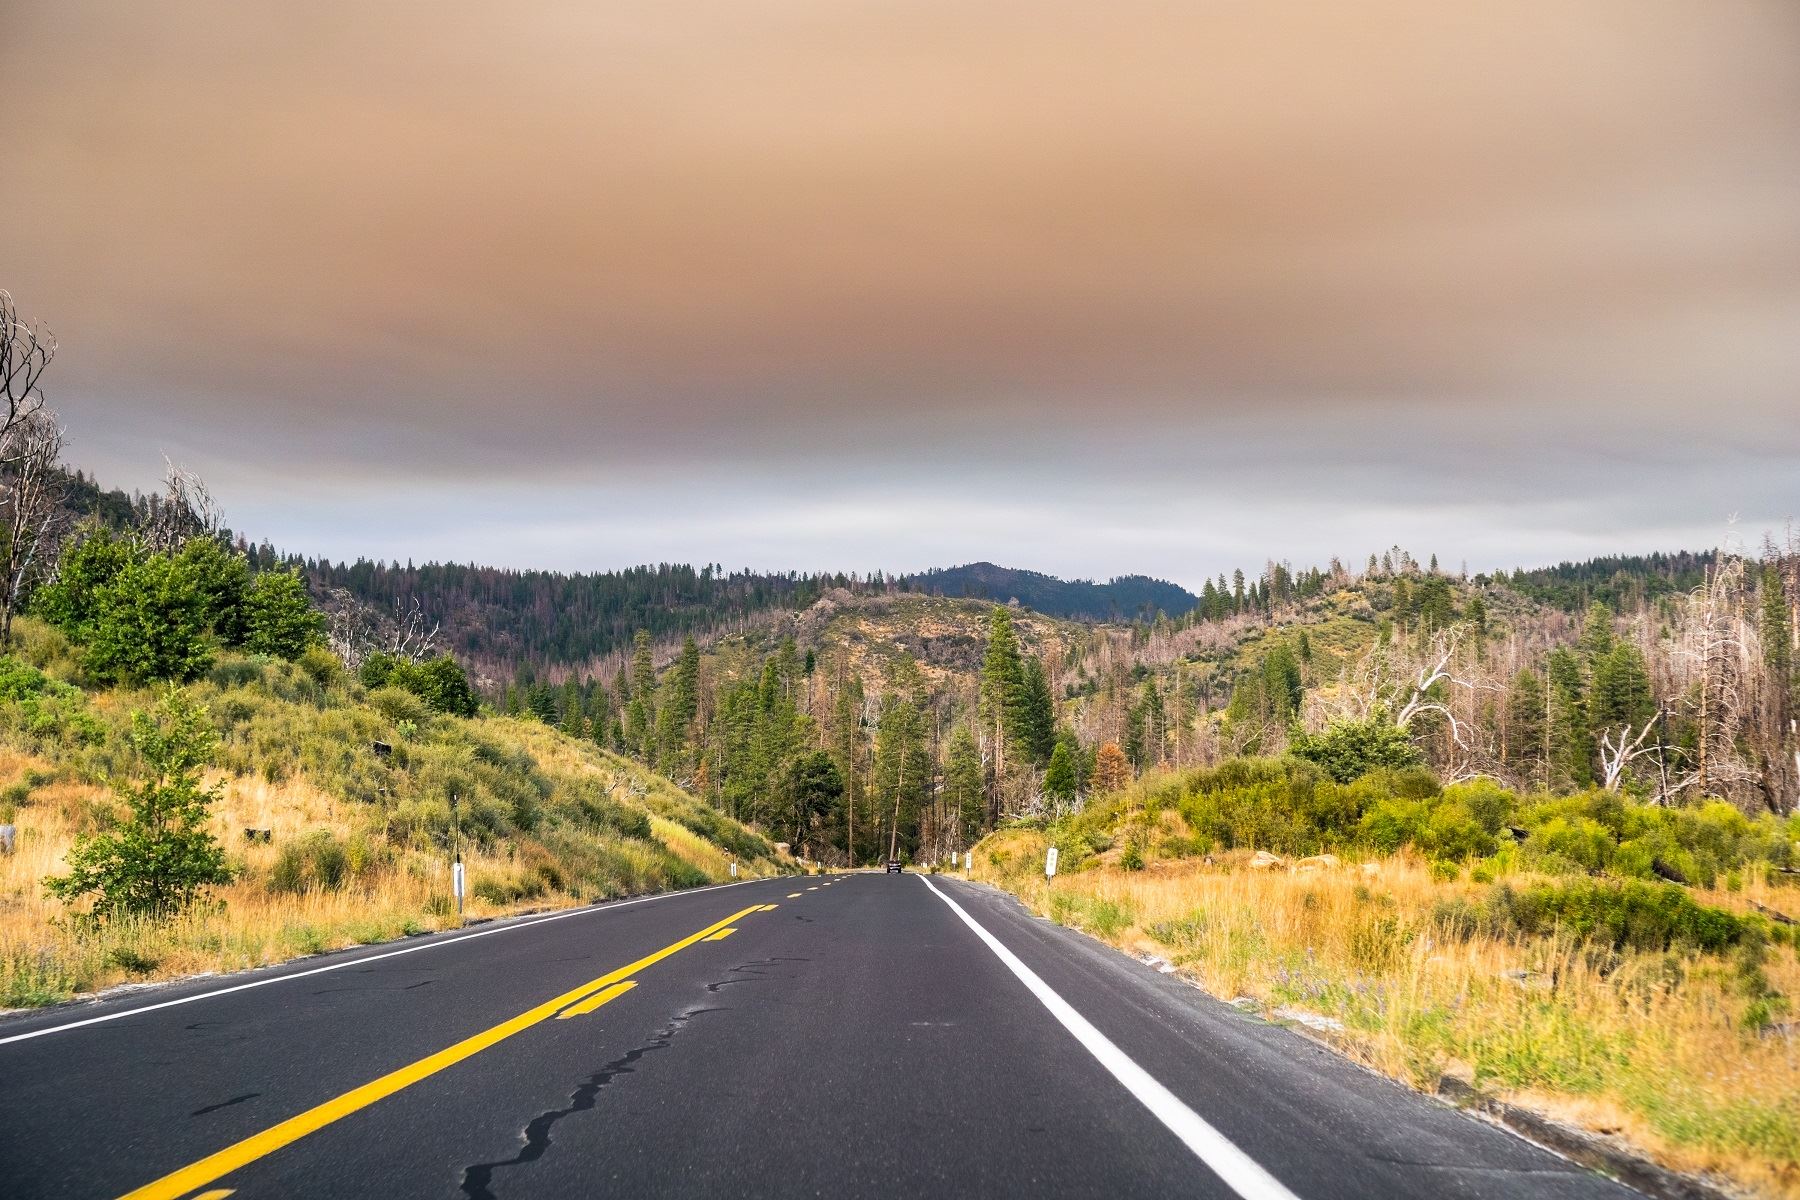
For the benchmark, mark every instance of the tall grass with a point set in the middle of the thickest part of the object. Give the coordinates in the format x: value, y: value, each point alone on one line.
x: 1685, y: 1052
x: 358, y: 839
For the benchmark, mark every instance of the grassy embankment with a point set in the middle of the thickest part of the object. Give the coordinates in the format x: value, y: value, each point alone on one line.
x: 358, y: 842
x: 1557, y: 972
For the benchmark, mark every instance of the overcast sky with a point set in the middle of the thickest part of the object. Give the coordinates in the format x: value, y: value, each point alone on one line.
x: 1086, y: 288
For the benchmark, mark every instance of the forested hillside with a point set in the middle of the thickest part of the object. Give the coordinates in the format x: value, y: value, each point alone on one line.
x: 192, y: 778
x: 941, y: 717
x: 1125, y: 598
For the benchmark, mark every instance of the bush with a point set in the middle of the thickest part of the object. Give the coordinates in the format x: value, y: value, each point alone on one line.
x: 1348, y: 750
x: 441, y: 682
x: 1632, y: 915
x: 149, y: 622
x: 315, y: 861
x: 163, y: 859
x: 277, y: 618
x: 398, y: 704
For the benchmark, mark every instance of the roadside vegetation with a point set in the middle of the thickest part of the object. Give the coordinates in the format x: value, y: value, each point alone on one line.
x: 327, y: 803
x: 1534, y: 945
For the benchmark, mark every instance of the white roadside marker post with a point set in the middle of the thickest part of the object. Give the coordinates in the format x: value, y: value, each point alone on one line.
x: 456, y: 865
x: 734, y: 868
x: 1050, y: 866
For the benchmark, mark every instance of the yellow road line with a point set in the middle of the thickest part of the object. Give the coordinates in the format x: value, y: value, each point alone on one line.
x: 722, y: 935
x: 769, y: 908
x: 598, y: 998
x: 215, y: 1194
x: 215, y: 1166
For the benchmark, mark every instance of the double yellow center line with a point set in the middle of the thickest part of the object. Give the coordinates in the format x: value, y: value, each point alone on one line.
x: 586, y: 998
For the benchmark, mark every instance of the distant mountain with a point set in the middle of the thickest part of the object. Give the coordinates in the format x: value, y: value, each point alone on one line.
x: 1127, y: 597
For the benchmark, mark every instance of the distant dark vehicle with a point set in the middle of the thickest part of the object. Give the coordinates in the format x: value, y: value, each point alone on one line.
x: 893, y: 866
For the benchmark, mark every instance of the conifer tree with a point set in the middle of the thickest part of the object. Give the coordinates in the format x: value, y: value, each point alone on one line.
x: 1059, y: 778
x: 962, y: 783
x: 1001, y: 676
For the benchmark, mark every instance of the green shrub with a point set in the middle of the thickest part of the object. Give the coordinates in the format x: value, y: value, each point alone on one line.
x: 277, y: 618
x: 1629, y: 915
x: 1348, y: 750
x: 398, y: 704
x: 163, y: 858
x: 315, y: 861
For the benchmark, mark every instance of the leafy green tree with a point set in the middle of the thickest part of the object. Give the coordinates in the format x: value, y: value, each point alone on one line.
x: 90, y: 561
x: 162, y: 859
x: 442, y: 683
x: 1347, y: 749
x: 815, y: 787
x: 277, y: 618
x: 149, y: 622
x: 221, y: 576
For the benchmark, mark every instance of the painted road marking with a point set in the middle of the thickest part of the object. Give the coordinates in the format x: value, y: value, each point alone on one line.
x: 812, y: 889
x: 793, y: 895
x: 768, y: 908
x: 1241, y: 1173
x: 432, y: 944
x: 214, y: 1166
x: 596, y: 1000
x: 216, y: 1194
x: 724, y: 933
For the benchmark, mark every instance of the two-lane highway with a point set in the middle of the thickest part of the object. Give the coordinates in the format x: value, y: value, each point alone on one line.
x: 860, y: 1035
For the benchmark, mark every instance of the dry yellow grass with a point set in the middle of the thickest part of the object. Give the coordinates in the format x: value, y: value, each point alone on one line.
x: 1654, y: 1047
x: 44, y: 957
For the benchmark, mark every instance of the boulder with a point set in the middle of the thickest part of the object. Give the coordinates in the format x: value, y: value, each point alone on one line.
x: 1262, y: 860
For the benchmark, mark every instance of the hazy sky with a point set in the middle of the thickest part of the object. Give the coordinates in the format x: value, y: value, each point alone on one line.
x: 1088, y: 288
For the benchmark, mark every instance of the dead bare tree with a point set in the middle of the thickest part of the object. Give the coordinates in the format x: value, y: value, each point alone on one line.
x: 1714, y: 660
x: 186, y: 510
x: 354, y: 630
x: 1618, y: 749
x: 31, y: 505
x: 25, y: 352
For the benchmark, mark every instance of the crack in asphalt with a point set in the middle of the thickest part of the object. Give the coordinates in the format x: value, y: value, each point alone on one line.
x: 477, y: 1180
x: 535, y: 1138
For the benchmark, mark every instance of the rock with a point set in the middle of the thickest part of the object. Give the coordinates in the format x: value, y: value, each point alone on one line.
x: 1317, y: 862
x: 1262, y: 860
x: 1371, y: 870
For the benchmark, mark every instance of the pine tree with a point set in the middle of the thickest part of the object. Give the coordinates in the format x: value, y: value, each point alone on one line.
x: 1525, y: 749
x: 572, y: 721
x: 1001, y: 676
x: 1568, y: 740
x: 1596, y: 633
x: 1620, y: 692
x: 1036, y: 712
x: 1059, y: 778
x: 962, y: 783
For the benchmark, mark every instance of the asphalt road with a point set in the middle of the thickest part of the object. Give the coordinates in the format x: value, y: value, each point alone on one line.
x: 864, y: 1037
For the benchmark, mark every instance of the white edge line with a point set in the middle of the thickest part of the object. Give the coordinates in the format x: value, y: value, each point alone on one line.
x: 1243, y: 1174
x: 430, y: 944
